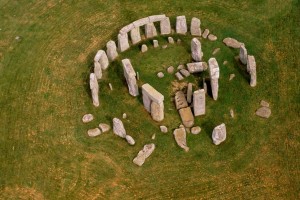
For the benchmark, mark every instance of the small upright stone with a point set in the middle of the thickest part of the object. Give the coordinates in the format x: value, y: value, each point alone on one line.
x: 196, y: 130
x: 187, y: 117
x: 87, y: 118
x: 155, y: 43
x: 189, y: 93
x: 243, y: 54
x: 214, y: 73
x: 233, y: 43
x: 118, y: 128
x: 212, y: 37
x: 178, y: 41
x: 150, y: 30
x: 94, y: 132
x: 195, y: 27
x: 170, y: 40
x: 225, y: 62
x: 129, y: 140
x: 219, y: 134
x: 196, y: 50
x: 144, y: 48
x: 111, y: 50
x: 264, y: 103
x: 179, y: 76
x: 263, y: 112
x: 104, y: 127
x: 205, y: 33
x: 160, y: 75
x: 110, y: 86
x: 181, y: 27
x: 165, y: 26
x: 163, y: 129
x: 124, y: 115
x: 170, y: 70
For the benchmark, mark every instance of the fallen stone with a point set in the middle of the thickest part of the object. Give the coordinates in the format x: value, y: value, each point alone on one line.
x: 216, y: 51
x: 104, y: 127
x: 231, y: 76
x: 231, y: 113
x: 170, y: 40
x: 263, y: 112
x: 212, y: 37
x: 178, y: 41
x: 243, y: 54
x: 219, y: 134
x: 187, y: 117
x: 129, y: 140
x: 251, y: 68
x: 195, y: 27
x: 144, y: 48
x: 204, y: 86
x: 87, y: 118
x: 264, y: 103
x: 123, y: 43
x: 170, y: 70
x: 144, y: 154
x: 205, y: 33
x: 155, y: 43
x: 185, y: 72
x: 181, y: 27
x: 94, y: 132
x: 180, y: 138
x: 179, y: 76
x: 197, y: 67
x: 189, y: 93
x: 124, y: 115
x: 230, y: 42
x: 94, y: 89
x: 130, y: 76
x: 196, y: 130
x: 180, y: 101
x: 214, y: 73
x: 196, y: 50
x: 118, y: 128
x: 163, y: 129
x: 160, y: 75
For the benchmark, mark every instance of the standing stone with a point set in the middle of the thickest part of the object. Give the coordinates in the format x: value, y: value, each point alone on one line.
x: 155, y: 44
x: 94, y: 132
x: 135, y: 35
x: 130, y: 76
x: 205, y: 33
x: 137, y: 75
x: 185, y: 72
x: 163, y: 129
x: 180, y: 101
x: 196, y: 50
x: 144, y: 154
x: 123, y: 43
x: 165, y: 26
x: 187, y: 117
x: 103, y: 59
x: 251, y: 68
x: 179, y: 76
x: 233, y: 43
x: 189, y: 93
x: 195, y: 27
x: 170, y: 40
x: 214, y: 74
x: 180, y: 138
x: 157, y: 111
x: 181, y: 27
x: 97, y: 70
x: 94, y: 89
x: 243, y: 54
x: 160, y: 75
x: 118, y: 128
x: 124, y: 116
x: 197, y: 67
x: 129, y: 140
x: 199, y: 102
x: 219, y: 134
x: 170, y: 70
x: 111, y: 50
x: 150, y: 30
x: 144, y: 48
x: 87, y: 118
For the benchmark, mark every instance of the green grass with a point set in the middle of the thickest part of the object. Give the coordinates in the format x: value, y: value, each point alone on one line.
x: 44, y: 92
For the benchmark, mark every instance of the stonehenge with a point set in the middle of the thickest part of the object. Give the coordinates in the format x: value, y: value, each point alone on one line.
x: 196, y: 50
x: 233, y: 43
x: 199, y: 102
x: 189, y: 93
x: 130, y: 76
x: 87, y: 118
x: 94, y: 89
x: 195, y: 27
x: 94, y: 132
x: 153, y: 102
x: 214, y: 74
x: 243, y: 54
x: 180, y: 138
x: 102, y: 59
x: 181, y: 27
x: 118, y: 128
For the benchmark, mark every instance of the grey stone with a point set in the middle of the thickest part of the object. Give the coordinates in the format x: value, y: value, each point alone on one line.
x: 216, y: 51
x: 180, y: 138
x: 94, y: 132
x: 196, y: 130
x: 150, y: 30
x: 111, y: 50
x: 196, y: 50
x: 153, y: 94
x: 189, y: 93
x: 243, y: 54
x: 118, y: 128
x: 163, y: 129
x: 94, y: 89
x: 219, y: 134
x: 153, y: 137
x: 231, y: 113
x: 157, y: 111
x: 87, y: 118
x: 231, y: 76
x: 104, y: 127
x: 155, y: 44
x: 205, y: 33
x: 214, y: 73
x: 179, y: 76
x: 195, y: 27
x: 110, y: 86
x: 141, y: 22
x: 170, y: 40
x: 123, y: 43
x: 129, y: 140
x: 180, y: 100
x: 180, y: 67
x: 135, y: 35
x: 185, y: 72
x: 144, y: 154
x: 165, y: 26
x: 251, y: 68
x: 199, y: 102
x: 130, y: 76
x: 164, y: 46
x: 264, y: 103
x: 144, y: 48
x: 170, y: 70
x: 187, y: 117
x: 126, y: 28
x: 212, y: 37
x: 124, y: 116
x: 153, y: 102
x: 197, y: 67
x: 97, y: 70
x: 181, y: 27
x: 160, y: 75
x: 156, y: 18
x: 230, y: 42
x: 225, y: 62
x: 204, y: 86
x: 263, y: 112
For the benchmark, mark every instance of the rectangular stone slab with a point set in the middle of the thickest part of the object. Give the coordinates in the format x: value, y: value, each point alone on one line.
x: 187, y: 117
x: 141, y: 22
x: 156, y: 18
x: 196, y: 67
x: 153, y: 94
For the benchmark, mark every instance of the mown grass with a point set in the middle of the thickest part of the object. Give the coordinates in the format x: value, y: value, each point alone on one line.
x: 45, y: 151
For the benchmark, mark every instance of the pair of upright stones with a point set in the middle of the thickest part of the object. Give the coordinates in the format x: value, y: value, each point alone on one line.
x: 248, y: 60
x: 152, y: 99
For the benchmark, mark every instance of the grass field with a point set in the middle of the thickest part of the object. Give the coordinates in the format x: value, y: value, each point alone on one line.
x: 44, y: 92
